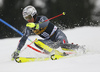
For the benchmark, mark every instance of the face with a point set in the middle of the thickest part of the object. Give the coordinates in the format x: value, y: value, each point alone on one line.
x: 29, y: 18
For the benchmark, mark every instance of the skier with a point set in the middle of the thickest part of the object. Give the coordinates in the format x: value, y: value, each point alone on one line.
x: 52, y: 35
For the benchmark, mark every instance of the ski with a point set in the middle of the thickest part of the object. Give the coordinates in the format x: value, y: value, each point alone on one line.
x: 52, y: 57
x: 33, y: 59
x: 29, y: 59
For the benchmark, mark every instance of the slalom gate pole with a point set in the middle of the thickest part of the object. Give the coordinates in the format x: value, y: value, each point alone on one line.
x: 4, y: 22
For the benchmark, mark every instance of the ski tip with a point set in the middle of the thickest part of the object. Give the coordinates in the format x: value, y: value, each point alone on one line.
x: 64, y: 13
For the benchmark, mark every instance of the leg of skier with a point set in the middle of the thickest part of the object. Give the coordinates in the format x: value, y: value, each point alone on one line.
x: 46, y: 45
x: 60, y: 36
x: 59, y: 39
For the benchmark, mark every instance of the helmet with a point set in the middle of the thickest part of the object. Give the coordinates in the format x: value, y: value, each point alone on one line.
x: 29, y: 12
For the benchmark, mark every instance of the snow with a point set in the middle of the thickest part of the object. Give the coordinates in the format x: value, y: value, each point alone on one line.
x: 89, y: 62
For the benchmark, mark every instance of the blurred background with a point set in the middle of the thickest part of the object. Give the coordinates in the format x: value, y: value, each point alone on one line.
x: 78, y: 13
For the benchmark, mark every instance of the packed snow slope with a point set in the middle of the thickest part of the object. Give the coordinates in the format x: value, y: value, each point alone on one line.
x: 89, y: 62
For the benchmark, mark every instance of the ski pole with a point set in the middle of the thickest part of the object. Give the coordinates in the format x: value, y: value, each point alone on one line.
x: 53, y: 17
x: 46, y: 21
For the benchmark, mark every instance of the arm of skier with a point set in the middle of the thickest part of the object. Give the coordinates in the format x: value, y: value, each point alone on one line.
x: 24, y: 38
x: 41, y: 23
x: 21, y: 43
x: 32, y: 25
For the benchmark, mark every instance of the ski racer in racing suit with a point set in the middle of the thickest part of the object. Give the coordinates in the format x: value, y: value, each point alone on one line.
x: 47, y: 30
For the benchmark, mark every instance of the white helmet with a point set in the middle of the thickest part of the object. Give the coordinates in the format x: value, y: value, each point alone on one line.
x: 29, y: 11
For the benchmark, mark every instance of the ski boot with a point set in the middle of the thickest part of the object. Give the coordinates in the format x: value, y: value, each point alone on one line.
x: 15, y: 54
x: 74, y: 48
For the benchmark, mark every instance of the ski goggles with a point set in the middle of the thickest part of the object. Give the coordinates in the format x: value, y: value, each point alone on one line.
x: 29, y: 17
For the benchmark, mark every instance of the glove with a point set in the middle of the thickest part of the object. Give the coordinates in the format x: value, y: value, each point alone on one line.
x: 15, y: 54
x: 30, y: 25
